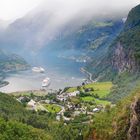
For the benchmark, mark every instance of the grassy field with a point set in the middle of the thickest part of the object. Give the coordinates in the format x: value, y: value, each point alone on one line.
x: 52, y: 108
x: 102, y: 89
x: 97, y: 101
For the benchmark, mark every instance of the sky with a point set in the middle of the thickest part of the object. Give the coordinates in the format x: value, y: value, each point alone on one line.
x: 13, y: 9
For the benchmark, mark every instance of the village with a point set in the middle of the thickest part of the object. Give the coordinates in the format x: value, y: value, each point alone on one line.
x: 69, y: 103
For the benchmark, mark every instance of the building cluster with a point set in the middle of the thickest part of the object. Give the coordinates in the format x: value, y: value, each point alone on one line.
x: 64, y: 96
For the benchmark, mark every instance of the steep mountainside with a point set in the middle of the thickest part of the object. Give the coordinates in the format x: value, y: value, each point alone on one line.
x: 121, y: 63
x: 126, y: 56
x: 124, y: 53
x: 33, y: 34
x: 19, y: 123
x: 92, y: 35
x: 11, y: 62
x: 89, y: 42
x: 121, y: 122
x: 12, y: 116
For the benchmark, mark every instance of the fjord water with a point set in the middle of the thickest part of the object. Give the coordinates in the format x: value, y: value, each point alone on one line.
x: 62, y: 72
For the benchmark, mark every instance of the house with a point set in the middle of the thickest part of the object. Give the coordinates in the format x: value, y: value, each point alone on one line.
x: 73, y: 94
x: 76, y: 113
x: 31, y: 103
x: 62, y: 97
x: 58, y: 117
x: 96, y: 110
x: 47, y: 101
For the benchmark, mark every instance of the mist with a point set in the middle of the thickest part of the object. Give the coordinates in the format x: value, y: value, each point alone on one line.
x: 48, y: 20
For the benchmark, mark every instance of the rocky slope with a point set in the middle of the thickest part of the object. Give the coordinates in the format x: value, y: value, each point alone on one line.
x: 134, y: 129
x: 124, y: 53
x: 126, y: 48
x: 122, y: 122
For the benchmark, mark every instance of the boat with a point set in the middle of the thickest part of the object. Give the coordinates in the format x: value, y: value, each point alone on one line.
x: 46, y: 82
x: 38, y: 69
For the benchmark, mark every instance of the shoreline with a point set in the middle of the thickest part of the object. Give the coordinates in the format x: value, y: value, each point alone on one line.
x: 50, y: 90
x: 3, y: 83
x: 28, y: 92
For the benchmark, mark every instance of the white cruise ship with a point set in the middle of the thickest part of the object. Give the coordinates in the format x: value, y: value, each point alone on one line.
x: 46, y: 82
x: 38, y: 69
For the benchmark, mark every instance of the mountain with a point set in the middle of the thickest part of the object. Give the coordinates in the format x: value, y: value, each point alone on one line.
x: 18, y: 122
x: 121, y: 63
x: 127, y: 45
x: 120, y: 122
x: 114, y: 55
x: 11, y: 62
x: 42, y: 30
x: 89, y: 42
x: 123, y: 54
x: 12, y: 116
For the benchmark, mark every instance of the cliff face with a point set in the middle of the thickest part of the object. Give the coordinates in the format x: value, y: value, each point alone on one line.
x: 126, y: 48
x: 134, y: 129
x: 124, y: 53
x: 123, y: 60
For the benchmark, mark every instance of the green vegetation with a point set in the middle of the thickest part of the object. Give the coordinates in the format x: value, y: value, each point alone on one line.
x: 10, y: 63
x: 110, y: 123
x: 11, y: 109
x: 98, y: 42
x: 102, y: 24
x: 10, y: 130
x: 124, y: 83
x: 114, y: 123
x: 102, y: 89
x: 96, y: 101
x: 29, y: 93
x: 27, y: 124
x: 52, y: 108
x: 123, y: 69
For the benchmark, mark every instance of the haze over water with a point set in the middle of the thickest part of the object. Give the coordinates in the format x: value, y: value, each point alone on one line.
x: 63, y: 74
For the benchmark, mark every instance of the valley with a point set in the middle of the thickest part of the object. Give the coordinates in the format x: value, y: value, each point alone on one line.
x: 72, y: 106
x: 71, y: 74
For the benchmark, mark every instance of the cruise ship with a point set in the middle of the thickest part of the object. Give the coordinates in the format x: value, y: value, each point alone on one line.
x: 46, y: 82
x: 38, y: 69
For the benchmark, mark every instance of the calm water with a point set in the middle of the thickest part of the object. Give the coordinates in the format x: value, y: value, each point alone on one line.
x: 63, y: 73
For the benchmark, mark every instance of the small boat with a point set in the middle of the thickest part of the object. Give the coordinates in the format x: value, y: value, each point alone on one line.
x: 46, y: 82
x: 38, y: 69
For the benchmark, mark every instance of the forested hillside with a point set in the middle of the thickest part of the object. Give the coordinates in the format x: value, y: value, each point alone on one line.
x: 121, y: 64
x: 11, y: 62
x: 120, y: 122
x: 91, y: 111
x: 16, y: 122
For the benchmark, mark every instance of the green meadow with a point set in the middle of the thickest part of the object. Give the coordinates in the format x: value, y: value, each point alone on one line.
x: 102, y: 89
x: 52, y: 108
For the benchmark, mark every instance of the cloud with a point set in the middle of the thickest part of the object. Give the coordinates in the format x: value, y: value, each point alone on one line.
x: 45, y: 22
x: 13, y: 9
x: 61, y: 13
x: 71, y: 7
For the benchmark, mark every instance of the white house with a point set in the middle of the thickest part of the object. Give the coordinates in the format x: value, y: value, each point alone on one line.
x: 96, y: 109
x: 31, y: 103
x: 73, y: 94
x: 47, y: 101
